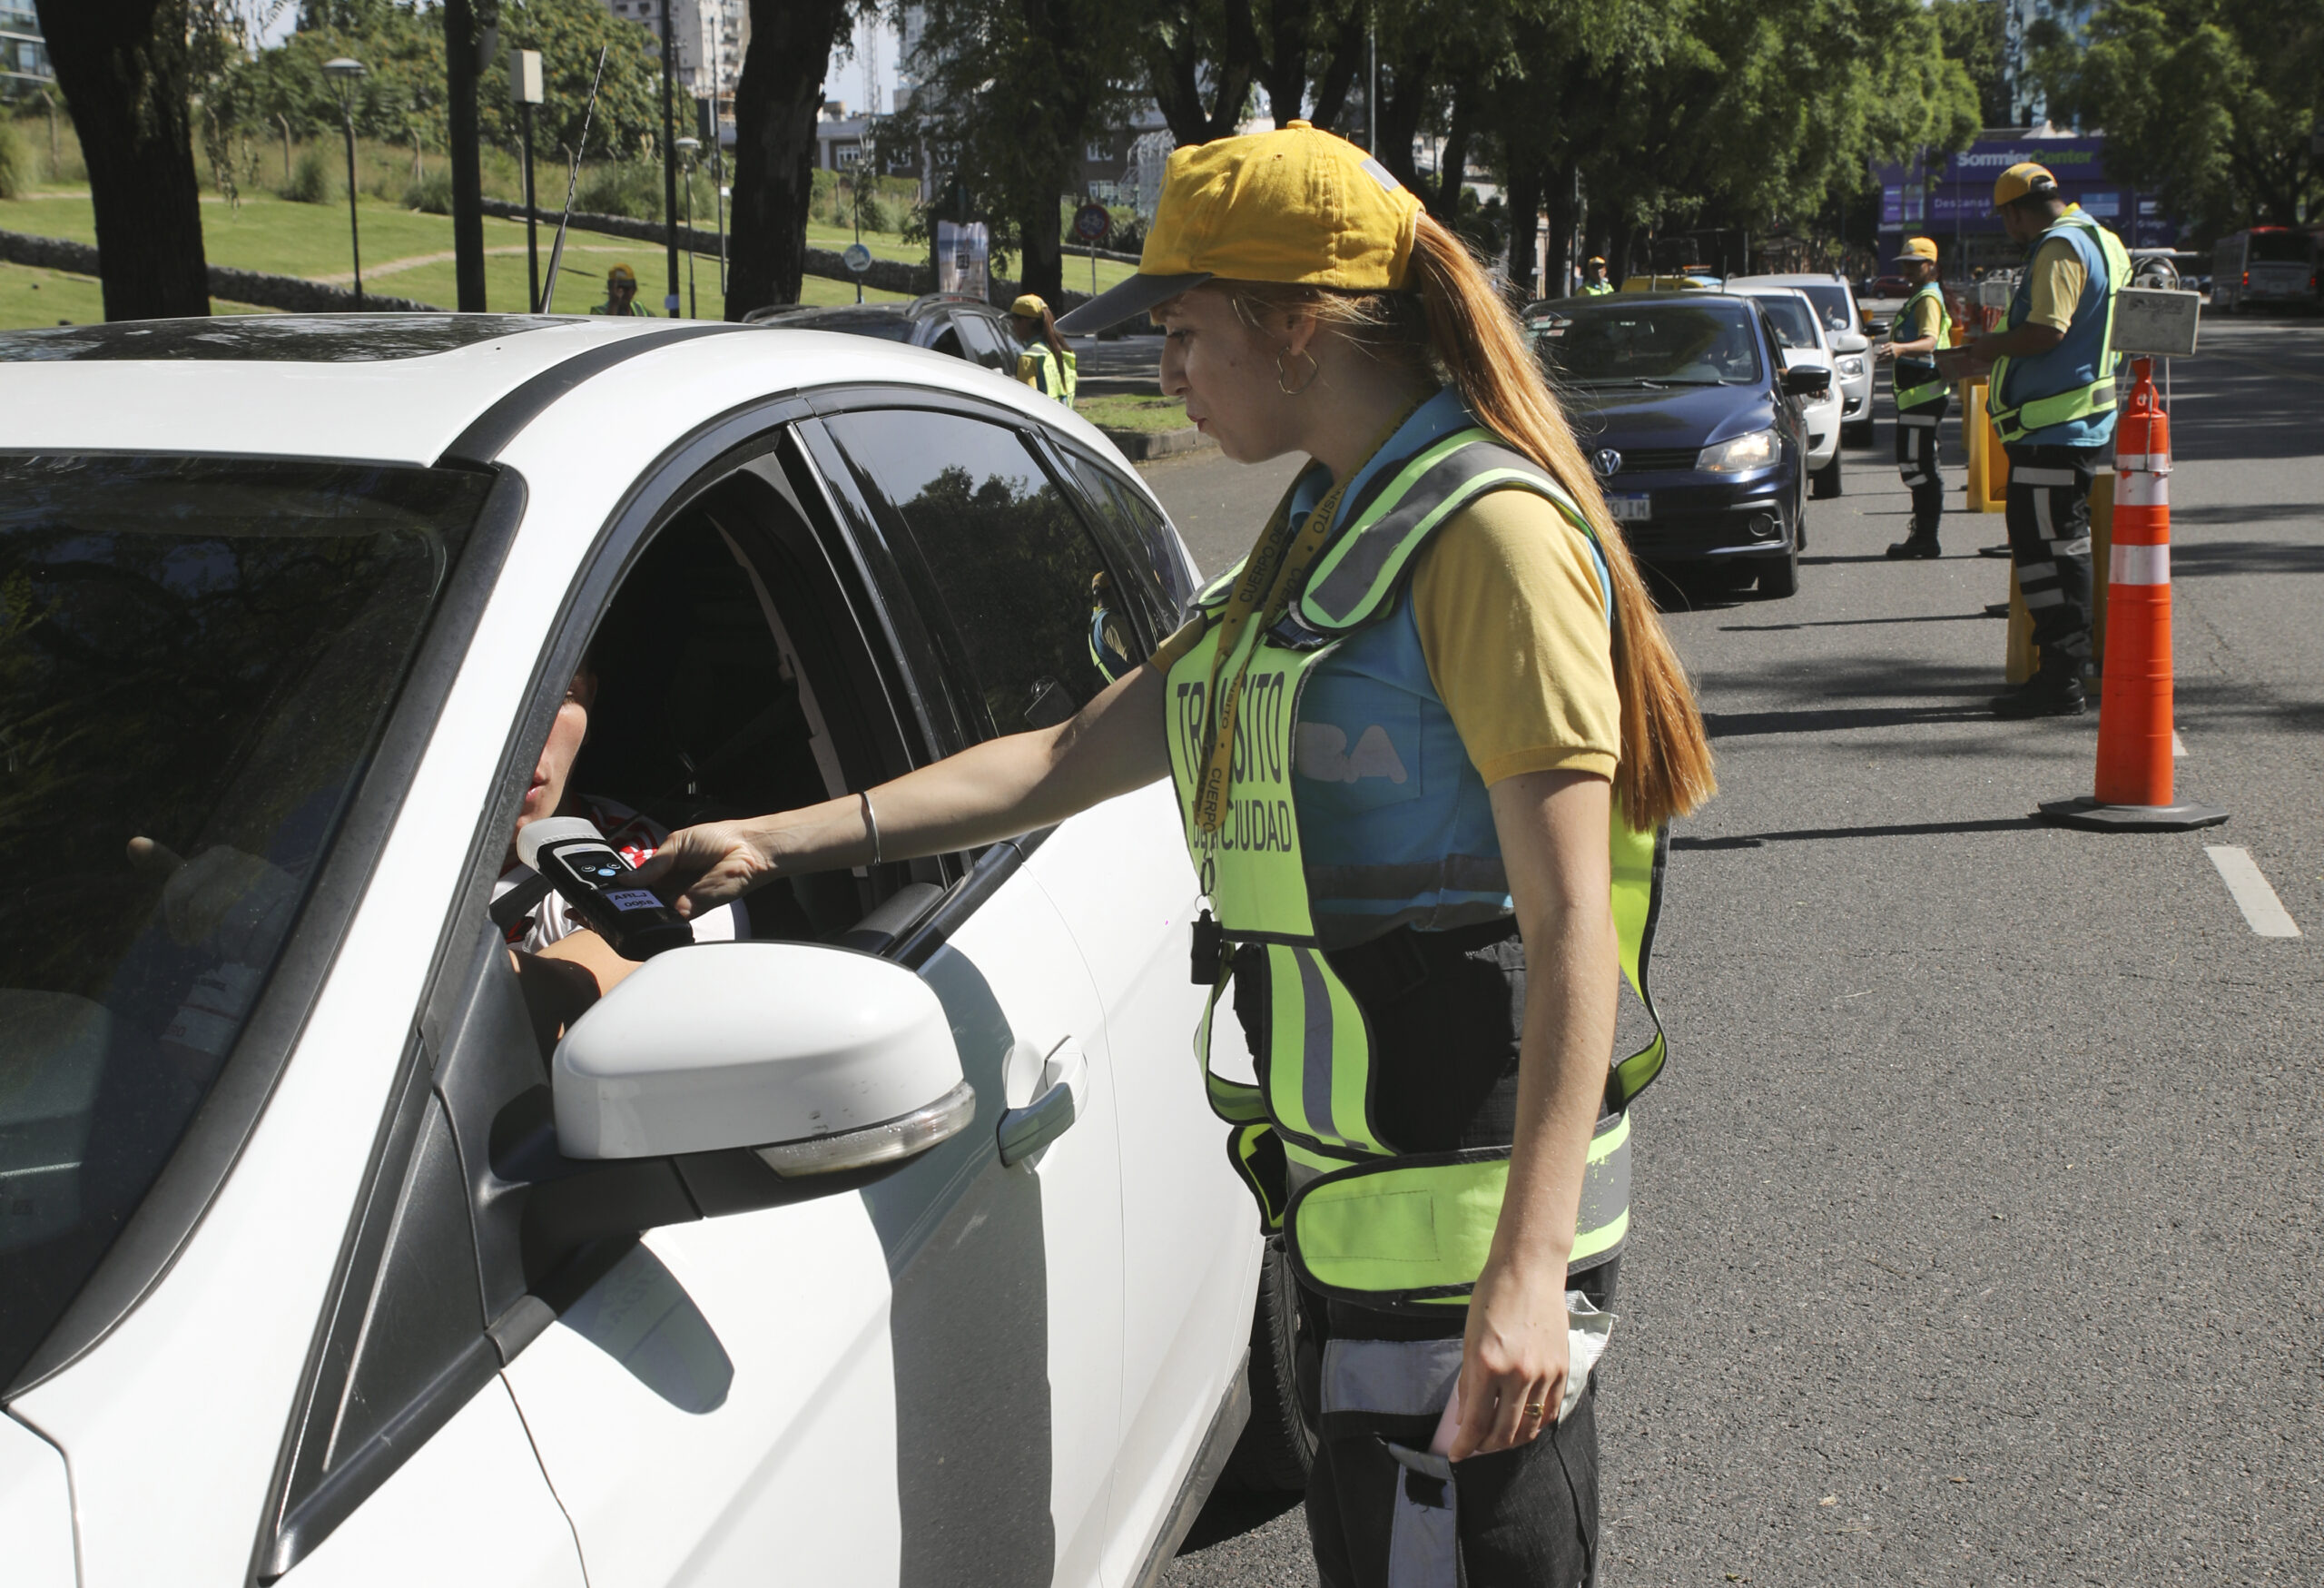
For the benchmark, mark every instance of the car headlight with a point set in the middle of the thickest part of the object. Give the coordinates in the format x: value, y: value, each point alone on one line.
x: 1739, y: 455
x: 1851, y: 366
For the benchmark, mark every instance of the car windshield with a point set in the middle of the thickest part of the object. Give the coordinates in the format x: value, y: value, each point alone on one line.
x: 196, y: 660
x: 1653, y: 343
x: 2279, y: 248
x: 1795, y: 327
x: 1831, y: 300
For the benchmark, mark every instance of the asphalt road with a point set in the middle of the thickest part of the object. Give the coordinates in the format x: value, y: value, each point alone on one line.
x: 1977, y: 1215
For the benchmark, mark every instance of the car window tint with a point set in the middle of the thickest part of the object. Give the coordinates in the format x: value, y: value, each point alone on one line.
x: 982, y: 342
x: 1794, y: 328
x: 196, y: 661
x: 1001, y: 553
x: 1832, y: 303
x: 1659, y: 341
x: 1161, y: 573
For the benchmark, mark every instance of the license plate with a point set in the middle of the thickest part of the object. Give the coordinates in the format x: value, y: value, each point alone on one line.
x: 1630, y: 508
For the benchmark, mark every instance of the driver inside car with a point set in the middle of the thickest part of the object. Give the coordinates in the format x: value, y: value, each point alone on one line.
x: 563, y: 966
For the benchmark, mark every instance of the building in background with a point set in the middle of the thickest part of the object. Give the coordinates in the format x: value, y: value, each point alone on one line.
x: 712, y: 35
x: 23, y: 53
x: 1950, y: 198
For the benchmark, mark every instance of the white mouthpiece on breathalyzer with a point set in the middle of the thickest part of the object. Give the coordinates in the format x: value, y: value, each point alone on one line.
x: 553, y: 830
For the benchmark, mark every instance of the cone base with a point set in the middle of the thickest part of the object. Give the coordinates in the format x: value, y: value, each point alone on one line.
x: 2091, y: 816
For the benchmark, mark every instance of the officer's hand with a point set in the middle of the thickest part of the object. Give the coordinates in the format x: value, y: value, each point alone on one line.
x: 1512, y: 1358
x: 701, y: 868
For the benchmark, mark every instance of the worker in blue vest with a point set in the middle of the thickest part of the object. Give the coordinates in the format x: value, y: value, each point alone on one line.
x: 1423, y: 741
x: 1921, y: 327
x: 2051, y: 398
x: 1594, y: 283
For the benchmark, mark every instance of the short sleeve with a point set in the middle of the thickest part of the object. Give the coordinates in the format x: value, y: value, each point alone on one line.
x: 1928, y: 320
x: 1025, y: 369
x: 1513, y: 622
x: 2057, y: 281
x: 1173, y: 649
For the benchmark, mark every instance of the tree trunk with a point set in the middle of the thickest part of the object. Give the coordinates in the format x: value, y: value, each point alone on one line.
x: 1040, y: 264
x: 1338, y: 76
x: 122, y: 66
x: 775, y: 102
x: 1558, y: 184
x: 460, y: 71
x: 1452, y: 163
x: 1524, y: 206
x: 1402, y: 106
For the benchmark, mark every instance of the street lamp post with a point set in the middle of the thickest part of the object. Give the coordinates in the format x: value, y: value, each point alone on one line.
x: 686, y: 147
x: 525, y: 87
x: 343, y: 74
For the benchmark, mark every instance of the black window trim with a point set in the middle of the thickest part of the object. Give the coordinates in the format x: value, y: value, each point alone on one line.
x: 184, y: 1191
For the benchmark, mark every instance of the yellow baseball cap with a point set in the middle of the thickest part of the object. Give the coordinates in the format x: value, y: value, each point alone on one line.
x: 1296, y: 206
x: 2023, y: 180
x: 1031, y: 306
x: 621, y: 273
x: 1916, y: 248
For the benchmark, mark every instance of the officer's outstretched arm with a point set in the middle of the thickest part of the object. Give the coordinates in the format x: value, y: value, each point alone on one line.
x: 1552, y: 831
x: 995, y: 790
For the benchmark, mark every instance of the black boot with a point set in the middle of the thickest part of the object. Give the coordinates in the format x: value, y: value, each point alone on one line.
x: 1916, y: 545
x: 2054, y: 691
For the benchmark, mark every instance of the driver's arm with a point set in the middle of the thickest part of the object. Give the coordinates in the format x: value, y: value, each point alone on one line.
x: 562, y: 981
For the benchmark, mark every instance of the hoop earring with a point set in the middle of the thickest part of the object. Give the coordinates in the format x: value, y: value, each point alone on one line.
x: 1282, y: 377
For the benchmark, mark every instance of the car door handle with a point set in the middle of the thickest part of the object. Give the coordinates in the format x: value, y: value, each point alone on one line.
x: 1065, y: 1088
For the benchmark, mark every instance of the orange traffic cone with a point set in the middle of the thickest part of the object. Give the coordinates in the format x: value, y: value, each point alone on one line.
x: 2134, y: 791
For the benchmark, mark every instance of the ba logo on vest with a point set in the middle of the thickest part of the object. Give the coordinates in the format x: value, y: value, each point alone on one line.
x: 1323, y: 755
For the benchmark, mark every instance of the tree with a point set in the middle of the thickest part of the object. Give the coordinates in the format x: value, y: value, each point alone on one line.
x: 1011, y: 92
x: 776, y: 103
x: 2228, y: 143
x: 123, y: 67
x: 1971, y: 30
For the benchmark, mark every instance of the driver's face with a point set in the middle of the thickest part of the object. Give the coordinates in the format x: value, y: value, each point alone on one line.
x: 554, y: 771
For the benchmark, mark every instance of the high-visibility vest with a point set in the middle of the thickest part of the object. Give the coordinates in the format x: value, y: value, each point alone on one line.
x: 1054, y: 376
x: 2076, y: 378
x: 1597, y: 288
x: 1375, y: 1225
x: 1916, y: 379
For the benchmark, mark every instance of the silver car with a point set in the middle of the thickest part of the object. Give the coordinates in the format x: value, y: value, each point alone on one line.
x: 1851, y: 343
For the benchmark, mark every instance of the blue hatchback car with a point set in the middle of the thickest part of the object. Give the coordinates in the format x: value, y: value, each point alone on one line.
x: 1682, y: 404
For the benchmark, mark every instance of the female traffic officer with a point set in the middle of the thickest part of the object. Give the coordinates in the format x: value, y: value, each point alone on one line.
x: 1047, y: 364
x: 1425, y: 739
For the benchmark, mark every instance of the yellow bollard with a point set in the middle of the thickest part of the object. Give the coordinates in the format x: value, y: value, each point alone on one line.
x: 2020, y: 655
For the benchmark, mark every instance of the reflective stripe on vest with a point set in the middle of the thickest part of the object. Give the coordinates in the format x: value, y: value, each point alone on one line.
x: 1316, y: 1089
x: 1927, y: 385
x: 1054, y: 376
x: 2021, y: 418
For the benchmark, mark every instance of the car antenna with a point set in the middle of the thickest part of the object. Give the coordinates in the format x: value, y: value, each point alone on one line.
x: 572, y: 181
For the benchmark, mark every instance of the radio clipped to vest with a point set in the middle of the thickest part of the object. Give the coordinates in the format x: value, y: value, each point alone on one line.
x: 1385, y: 1229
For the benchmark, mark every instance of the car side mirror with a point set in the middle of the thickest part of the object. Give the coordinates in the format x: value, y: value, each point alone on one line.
x: 1848, y: 341
x: 1807, y: 380
x: 1875, y: 328
x: 818, y: 1060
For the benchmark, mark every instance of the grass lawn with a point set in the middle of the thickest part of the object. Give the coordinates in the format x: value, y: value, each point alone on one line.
x: 1133, y: 413
x: 33, y: 296
x: 310, y: 240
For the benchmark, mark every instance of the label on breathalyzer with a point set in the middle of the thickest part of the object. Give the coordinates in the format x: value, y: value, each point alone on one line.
x: 631, y: 899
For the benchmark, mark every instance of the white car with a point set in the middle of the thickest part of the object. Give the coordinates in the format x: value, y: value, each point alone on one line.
x: 1805, y: 346
x: 892, y: 1241
x: 1851, y: 343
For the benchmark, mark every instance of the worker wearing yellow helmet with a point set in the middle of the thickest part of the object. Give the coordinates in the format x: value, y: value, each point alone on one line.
x: 2050, y: 397
x: 1047, y: 364
x: 1422, y: 740
x: 621, y: 294
x: 1594, y: 283
x: 1921, y: 328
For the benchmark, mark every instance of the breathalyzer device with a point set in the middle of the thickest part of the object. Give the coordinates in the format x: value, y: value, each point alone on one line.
x: 602, y: 887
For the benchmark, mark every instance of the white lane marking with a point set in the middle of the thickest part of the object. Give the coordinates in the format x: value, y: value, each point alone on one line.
x: 2178, y: 746
x: 2249, y: 889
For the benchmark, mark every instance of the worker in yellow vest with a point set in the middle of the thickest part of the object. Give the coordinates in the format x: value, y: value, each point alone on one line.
x: 1594, y: 283
x: 1047, y: 364
x: 1424, y: 741
x: 1921, y: 327
x: 621, y: 294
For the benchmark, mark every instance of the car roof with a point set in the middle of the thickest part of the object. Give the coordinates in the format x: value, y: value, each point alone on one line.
x: 1794, y: 278
x: 403, y: 389
x: 1628, y: 299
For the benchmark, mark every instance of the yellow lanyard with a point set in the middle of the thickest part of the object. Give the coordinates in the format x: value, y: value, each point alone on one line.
x: 1277, y: 566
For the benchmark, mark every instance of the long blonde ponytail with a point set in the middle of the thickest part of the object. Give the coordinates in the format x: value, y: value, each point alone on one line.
x: 1452, y: 320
